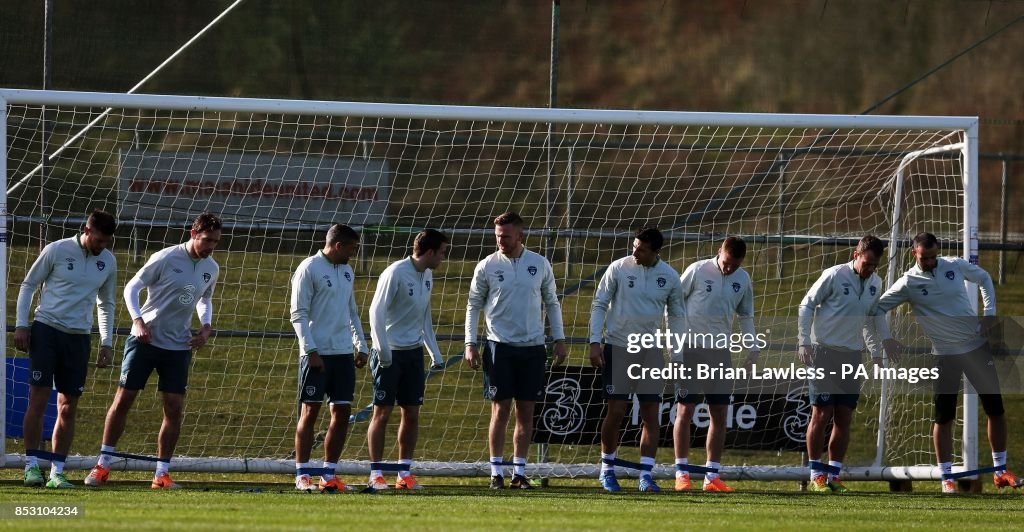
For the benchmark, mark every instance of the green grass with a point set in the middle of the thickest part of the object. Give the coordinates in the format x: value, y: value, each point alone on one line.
x: 453, y: 505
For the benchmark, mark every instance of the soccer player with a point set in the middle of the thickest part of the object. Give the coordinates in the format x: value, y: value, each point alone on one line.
x: 634, y: 296
x: 513, y: 286
x: 400, y: 325
x: 75, y: 274
x: 326, y: 320
x: 179, y: 280
x: 715, y: 290
x: 835, y: 321
x: 935, y: 289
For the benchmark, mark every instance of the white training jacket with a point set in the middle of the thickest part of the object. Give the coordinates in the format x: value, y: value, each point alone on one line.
x: 400, y: 311
x: 323, y: 308
x: 634, y: 299
x: 72, y: 280
x: 940, y: 304
x: 713, y: 299
x: 513, y: 293
x: 837, y: 312
x: 176, y: 285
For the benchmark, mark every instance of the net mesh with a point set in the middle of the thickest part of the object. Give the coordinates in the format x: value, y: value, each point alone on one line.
x: 799, y: 196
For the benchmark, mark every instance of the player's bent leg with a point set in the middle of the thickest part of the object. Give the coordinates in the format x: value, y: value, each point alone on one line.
x: 610, y: 435
x: 64, y: 428
x: 997, y: 433
x: 997, y: 437
x: 821, y: 415
x: 521, y: 443
x: 32, y: 424
x: 32, y: 428
x: 170, y: 429
x: 375, y: 431
x: 649, y: 414
x: 63, y: 434
x: 308, y: 414
x: 681, y: 443
x: 408, y: 431
x: 375, y: 443
x: 408, y: 434
x: 611, y: 425
x: 334, y: 442
x: 117, y: 415
x: 304, y: 431
x: 840, y: 440
x: 717, y: 407
x: 113, y: 428
x: 942, y: 437
x: 500, y: 412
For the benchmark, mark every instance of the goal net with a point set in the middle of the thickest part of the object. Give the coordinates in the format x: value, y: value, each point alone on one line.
x: 801, y: 189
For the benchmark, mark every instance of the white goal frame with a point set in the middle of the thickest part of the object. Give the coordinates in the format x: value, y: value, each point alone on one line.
x: 968, y: 150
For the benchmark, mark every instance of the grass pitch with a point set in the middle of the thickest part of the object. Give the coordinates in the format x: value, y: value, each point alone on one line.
x: 470, y: 505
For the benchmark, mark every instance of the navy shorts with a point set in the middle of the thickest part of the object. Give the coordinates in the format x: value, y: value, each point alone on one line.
x: 714, y: 391
x: 980, y: 370
x: 59, y: 359
x: 516, y: 372
x: 834, y: 390
x: 141, y: 359
x: 617, y: 385
x: 403, y: 381
x: 337, y: 380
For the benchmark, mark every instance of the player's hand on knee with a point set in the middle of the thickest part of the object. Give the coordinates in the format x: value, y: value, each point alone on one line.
x: 596, y: 356
x: 804, y: 354
x: 22, y: 338
x: 105, y: 357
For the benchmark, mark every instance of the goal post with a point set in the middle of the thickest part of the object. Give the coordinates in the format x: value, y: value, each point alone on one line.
x: 801, y: 189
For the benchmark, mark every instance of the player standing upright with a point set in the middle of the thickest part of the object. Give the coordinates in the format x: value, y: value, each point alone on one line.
x: 400, y: 325
x: 935, y: 289
x: 513, y: 286
x: 326, y: 321
x: 75, y: 274
x: 715, y: 291
x: 179, y: 280
x: 835, y: 322
x: 634, y: 296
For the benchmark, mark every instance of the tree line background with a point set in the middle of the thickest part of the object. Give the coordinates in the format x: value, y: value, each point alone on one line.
x: 799, y: 56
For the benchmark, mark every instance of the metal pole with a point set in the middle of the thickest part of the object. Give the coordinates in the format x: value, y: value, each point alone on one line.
x: 44, y: 208
x: 553, y: 89
x: 552, y: 102
x: 568, y: 216
x: 542, y: 458
x: 1002, y: 222
x: 782, y: 214
x: 3, y: 271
